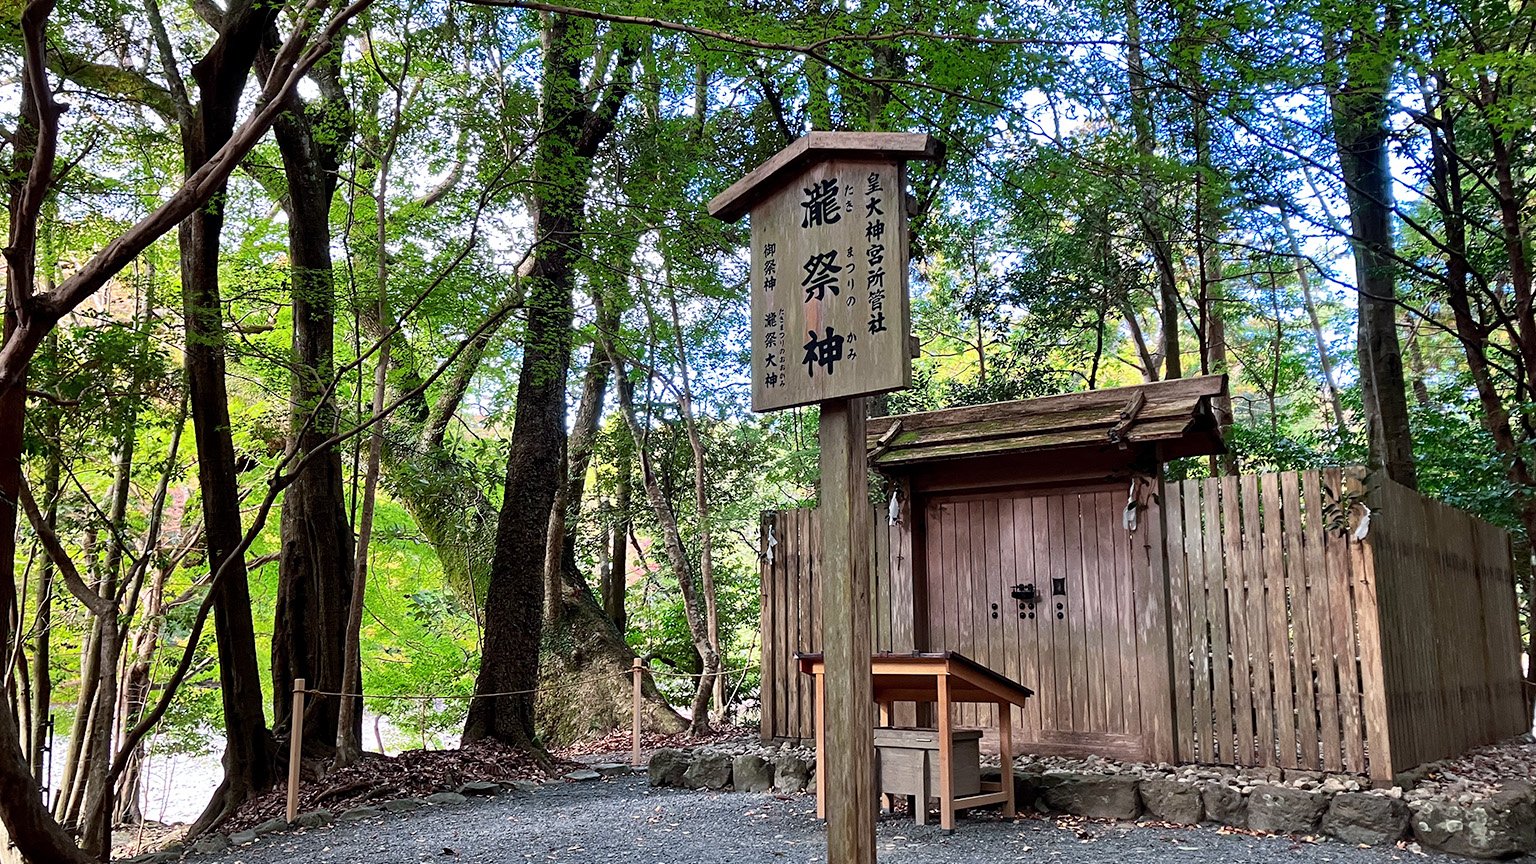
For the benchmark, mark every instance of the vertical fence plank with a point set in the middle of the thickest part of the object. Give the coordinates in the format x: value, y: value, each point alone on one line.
x: 1150, y: 617
x: 1115, y: 585
x: 1335, y: 539
x: 1199, y: 624
x: 1047, y: 561
x: 1373, y: 685
x: 988, y: 585
x: 1237, y: 619
x: 1257, y: 622
x: 1319, y: 602
x: 1282, y: 649
x: 1181, y: 638
x: 766, y: 609
x: 1220, y: 650
x: 880, y: 583
x: 1090, y: 610
x: 1061, y: 643
x: 1296, y: 585
x: 1008, y: 618
x: 1074, y: 600
x: 805, y: 609
x: 1022, y: 572
x: 1477, y: 688
x: 903, y: 569
x: 966, y: 539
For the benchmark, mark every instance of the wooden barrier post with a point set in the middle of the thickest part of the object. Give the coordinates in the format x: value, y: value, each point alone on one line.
x: 847, y: 761
x: 295, y: 748
x: 634, y: 754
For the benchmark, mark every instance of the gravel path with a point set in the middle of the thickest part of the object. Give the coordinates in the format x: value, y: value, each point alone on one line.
x: 624, y: 820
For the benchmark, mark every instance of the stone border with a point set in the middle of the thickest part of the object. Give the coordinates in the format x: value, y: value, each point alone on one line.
x: 1500, y: 826
x: 216, y: 842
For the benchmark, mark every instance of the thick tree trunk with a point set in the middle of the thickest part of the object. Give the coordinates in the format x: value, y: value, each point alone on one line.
x: 503, y: 707
x: 315, y: 570
x: 25, y: 819
x: 1359, y: 107
x: 584, y: 670
x: 249, y: 748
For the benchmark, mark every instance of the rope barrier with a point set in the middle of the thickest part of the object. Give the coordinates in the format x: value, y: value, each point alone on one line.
x: 582, y: 683
x: 660, y: 673
x: 666, y: 674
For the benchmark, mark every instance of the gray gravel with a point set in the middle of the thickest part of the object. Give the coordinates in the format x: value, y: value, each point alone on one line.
x: 624, y: 820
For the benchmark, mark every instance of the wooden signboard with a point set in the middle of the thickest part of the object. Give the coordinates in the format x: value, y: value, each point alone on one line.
x: 829, y: 325
x: 830, y: 315
x: 829, y: 287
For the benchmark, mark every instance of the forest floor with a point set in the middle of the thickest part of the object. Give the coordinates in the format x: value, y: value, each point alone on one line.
x: 418, y: 773
x: 623, y: 819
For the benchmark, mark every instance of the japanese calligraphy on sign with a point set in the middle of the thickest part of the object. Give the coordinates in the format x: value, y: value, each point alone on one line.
x: 829, y: 286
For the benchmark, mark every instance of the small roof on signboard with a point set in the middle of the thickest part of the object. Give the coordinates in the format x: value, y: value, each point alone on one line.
x: 789, y: 163
x: 1177, y: 418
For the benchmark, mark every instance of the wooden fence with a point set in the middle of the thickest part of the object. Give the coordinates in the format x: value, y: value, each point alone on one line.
x: 1450, y: 633
x: 1317, y: 620
x: 791, y: 609
x: 1270, y: 607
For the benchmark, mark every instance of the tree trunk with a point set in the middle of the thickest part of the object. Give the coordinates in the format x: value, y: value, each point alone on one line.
x: 1416, y: 365
x: 26, y: 821
x: 349, y: 722
x: 315, y: 568
x: 1324, y: 359
x: 616, y: 585
x: 42, y: 663
x: 503, y: 707
x: 1152, y: 230
x: 565, y: 513
x: 711, y: 679
x: 249, y: 749
x: 96, y: 820
x: 672, y: 539
x: 1359, y: 105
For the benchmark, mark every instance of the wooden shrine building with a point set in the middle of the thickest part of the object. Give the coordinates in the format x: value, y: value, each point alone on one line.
x: 1318, y: 619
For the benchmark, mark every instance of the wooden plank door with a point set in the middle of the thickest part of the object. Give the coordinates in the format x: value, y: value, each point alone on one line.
x: 1076, y: 644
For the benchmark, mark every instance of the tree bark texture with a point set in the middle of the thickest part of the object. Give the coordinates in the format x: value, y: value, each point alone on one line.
x: 249, y: 748
x: 503, y: 707
x: 1152, y: 230
x: 1359, y: 105
x: 315, y: 568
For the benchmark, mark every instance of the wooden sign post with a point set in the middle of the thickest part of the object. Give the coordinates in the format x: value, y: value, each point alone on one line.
x: 830, y: 326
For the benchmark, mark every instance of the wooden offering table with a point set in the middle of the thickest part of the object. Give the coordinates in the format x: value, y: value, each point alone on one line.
x: 940, y: 679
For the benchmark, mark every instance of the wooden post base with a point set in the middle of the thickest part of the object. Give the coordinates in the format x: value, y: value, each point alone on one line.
x: 845, y: 762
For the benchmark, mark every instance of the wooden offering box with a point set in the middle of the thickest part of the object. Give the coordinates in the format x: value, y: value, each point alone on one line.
x: 940, y: 680
x: 907, y: 764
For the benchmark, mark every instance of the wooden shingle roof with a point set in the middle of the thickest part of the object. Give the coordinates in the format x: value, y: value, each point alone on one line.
x: 1175, y: 418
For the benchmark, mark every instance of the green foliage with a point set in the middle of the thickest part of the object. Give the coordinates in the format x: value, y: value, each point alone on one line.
x: 1037, y: 269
